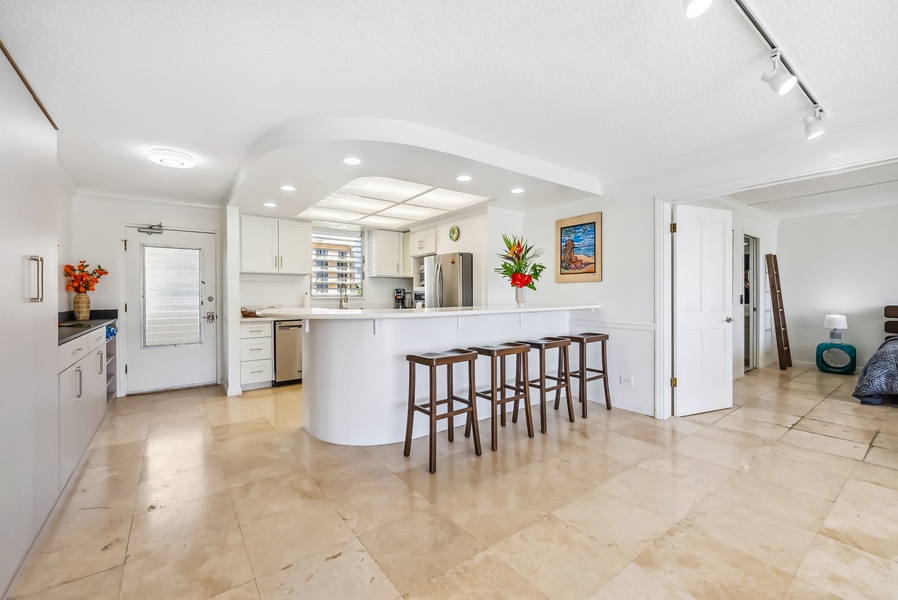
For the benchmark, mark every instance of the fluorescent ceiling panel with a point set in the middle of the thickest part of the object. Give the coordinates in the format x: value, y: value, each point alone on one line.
x: 407, y: 211
x: 327, y: 214
x: 339, y: 201
x: 447, y: 199
x: 384, y: 188
x: 378, y: 221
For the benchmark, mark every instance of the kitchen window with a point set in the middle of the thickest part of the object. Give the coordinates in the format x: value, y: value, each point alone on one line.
x: 336, y: 261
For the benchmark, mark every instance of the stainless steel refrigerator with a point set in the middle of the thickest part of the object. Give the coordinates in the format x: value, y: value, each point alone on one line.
x: 448, y: 280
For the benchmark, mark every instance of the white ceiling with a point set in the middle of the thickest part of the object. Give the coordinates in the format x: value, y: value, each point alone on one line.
x: 600, y: 88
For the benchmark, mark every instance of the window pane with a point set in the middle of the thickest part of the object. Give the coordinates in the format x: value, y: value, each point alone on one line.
x: 171, y: 306
x: 336, y: 261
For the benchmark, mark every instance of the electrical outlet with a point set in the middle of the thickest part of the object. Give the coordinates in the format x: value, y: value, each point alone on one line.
x: 626, y: 380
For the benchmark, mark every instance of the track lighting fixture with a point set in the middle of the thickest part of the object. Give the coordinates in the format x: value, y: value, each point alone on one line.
x: 779, y: 79
x: 813, y: 125
x: 695, y: 8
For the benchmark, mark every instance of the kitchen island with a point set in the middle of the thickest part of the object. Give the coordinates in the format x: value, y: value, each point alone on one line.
x: 355, y: 376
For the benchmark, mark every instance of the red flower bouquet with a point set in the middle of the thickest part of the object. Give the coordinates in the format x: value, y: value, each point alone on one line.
x: 519, y: 262
x: 80, y: 279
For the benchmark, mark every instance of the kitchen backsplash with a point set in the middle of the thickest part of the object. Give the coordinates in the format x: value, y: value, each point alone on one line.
x: 260, y: 291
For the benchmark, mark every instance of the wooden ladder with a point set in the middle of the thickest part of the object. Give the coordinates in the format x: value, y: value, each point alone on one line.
x: 779, y: 316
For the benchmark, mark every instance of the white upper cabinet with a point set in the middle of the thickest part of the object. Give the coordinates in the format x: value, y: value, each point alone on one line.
x: 384, y: 254
x: 275, y: 245
x: 422, y: 243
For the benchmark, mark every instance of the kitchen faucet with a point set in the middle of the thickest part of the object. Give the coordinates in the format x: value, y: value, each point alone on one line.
x: 344, y: 296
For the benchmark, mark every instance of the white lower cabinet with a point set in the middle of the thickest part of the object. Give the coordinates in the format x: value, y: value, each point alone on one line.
x: 256, y: 354
x: 82, y: 405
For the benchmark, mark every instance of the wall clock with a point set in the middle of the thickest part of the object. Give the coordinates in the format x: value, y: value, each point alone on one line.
x: 454, y: 233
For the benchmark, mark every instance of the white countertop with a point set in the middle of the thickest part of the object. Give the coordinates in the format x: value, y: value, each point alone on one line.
x: 270, y: 314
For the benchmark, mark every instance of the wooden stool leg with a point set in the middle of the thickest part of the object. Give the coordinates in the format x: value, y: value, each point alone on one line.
x: 528, y: 414
x: 583, y: 378
x: 410, y: 419
x: 519, y: 381
x: 542, y: 391
x: 432, y: 461
x: 605, y: 377
x: 472, y: 398
x: 449, y: 407
x: 558, y: 391
x: 503, y: 394
x: 567, y: 383
x: 494, y: 401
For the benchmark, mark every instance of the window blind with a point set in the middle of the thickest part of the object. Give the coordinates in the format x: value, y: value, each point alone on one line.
x: 171, y: 306
x: 336, y: 260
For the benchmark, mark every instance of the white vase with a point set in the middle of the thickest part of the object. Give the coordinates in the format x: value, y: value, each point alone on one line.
x: 520, y: 296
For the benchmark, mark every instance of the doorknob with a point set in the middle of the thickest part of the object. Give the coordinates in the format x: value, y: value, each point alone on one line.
x: 729, y: 319
x: 210, y: 317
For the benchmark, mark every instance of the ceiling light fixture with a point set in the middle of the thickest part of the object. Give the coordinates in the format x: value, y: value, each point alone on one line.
x: 288, y: 188
x: 270, y: 205
x: 351, y: 160
x: 517, y: 191
x: 463, y: 178
x: 695, y: 8
x: 171, y: 158
x: 779, y: 79
x: 813, y: 126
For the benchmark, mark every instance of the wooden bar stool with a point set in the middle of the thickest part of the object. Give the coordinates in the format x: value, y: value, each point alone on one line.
x: 582, y: 373
x: 432, y: 360
x: 497, y: 393
x: 562, y: 378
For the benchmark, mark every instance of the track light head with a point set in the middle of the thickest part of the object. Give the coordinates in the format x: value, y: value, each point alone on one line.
x: 695, y: 8
x: 779, y: 79
x: 813, y: 125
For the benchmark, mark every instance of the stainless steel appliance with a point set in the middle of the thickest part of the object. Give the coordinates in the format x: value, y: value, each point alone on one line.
x: 448, y: 280
x: 287, y: 351
x: 399, y: 298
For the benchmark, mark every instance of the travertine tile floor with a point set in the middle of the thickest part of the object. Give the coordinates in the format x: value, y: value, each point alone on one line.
x: 792, y: 494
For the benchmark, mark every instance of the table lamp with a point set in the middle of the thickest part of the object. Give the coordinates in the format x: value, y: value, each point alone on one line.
x: 834, y: 323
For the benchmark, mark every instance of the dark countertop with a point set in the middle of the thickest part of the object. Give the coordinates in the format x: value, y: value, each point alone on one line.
x: 67, y: 332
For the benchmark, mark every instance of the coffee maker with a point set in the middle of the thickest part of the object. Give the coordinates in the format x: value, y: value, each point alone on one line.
x: 399, y: 298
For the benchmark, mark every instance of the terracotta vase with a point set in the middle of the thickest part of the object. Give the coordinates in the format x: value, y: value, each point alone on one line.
x: 520, y: 296
x: 81, y: 306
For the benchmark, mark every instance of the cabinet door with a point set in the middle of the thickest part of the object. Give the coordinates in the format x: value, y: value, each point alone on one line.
x: 386, y: 254
x: 295, y: 247
x: 258, y: 244
x: 405, y: 259
x: 74, y: 422
x: 422, y: 243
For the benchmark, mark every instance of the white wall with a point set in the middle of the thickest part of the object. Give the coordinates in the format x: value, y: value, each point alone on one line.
x: 842, y: 263
x: 63, y: 245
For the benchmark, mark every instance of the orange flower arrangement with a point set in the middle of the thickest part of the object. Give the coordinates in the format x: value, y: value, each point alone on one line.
x: 82, y: 280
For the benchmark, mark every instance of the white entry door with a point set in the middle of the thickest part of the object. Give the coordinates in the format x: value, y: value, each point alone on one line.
x: 171, y: 293
x: 703, y: 310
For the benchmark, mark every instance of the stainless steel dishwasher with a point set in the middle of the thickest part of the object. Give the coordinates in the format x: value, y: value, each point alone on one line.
x: 287, y: 351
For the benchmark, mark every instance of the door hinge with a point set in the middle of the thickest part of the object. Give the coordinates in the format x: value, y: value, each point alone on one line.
x: 126, y: 369
x: 673, y: 227
x: 673, y: 382
x: 126, y: 307
x: 125, y: 242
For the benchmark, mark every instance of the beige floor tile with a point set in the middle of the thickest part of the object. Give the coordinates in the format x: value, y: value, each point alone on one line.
x: 175, y: 410
x: 794, y: 398
x: 579, y: 572
x: 872, y: 532
x: 491, y: 512
x: 620, y: 525
x: 624, y: 448
x: 635, y: 583
x: 94, y: 497
x: 848, y: 572
x: 781, y: 403
x: 802, y: 469
x: 156, y: 530
x: 225, y: 411
x: 195, y: 570
x: 344, y: 571
x: 373, y: 503
x: 845, y: 432
x: 748, y: 425
x: 706, y: 568
x: 885, y: 440
x: 890, y: 425
x: 839, y: 418
x: 721, y: 453
x: 132, y: 405
x: 772, y: 417
x: 441, y: 545
x: 691, y: 471
x: 853, y: 407
x: 99, y: 586
x: 774, y: 541
x: 455, y: 473
x: 118, y: 435
x: 247, y: 445
x: 655, y: 492
x: 247, y: 591
x: 544, y: 485
x: 232, y: 430
x: 824, y: 443
x: 864, y: 471
x: 870, y: 497
x: 173, y: 435
x: 180, y: 487
x: 775, y: 500
x: 800, y: 589
x: 882, y: 457
x: 707, y: 418
x: 590, y: 466
x: 254, y: 467
x: 650, y: 433
x: 179, y: 461
x: 280, y: 540
x: 270, y: 496
x: 114, y: 455
x: 73, y: 555
x: 484, y: 576
x: 390, y: 455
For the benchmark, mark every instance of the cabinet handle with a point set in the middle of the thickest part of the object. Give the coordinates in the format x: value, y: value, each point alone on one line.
x: 256, y: 330
x: 101, y: 365
x: 282, y: 261
x: 76, y: 351
x: 275, y: 261
x: 80, y: 383
x: 254, y: 372
x: 39, y: 275
x: 254, y: 349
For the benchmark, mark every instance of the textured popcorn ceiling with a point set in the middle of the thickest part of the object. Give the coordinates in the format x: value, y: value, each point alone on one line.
x: 603, y: 88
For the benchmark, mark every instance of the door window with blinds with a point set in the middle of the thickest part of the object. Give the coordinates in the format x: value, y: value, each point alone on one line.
x: 172, y: 296
x: 336, y: 262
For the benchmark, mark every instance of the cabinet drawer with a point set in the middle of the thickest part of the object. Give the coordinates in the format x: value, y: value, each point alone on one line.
x: 255, y: 330
x: 97, y: 338
x: 255, y: 371
x: 255, y: 348
x: 72, y: 351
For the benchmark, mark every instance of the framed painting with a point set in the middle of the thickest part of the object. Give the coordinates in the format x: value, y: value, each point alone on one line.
x: 578, y: 248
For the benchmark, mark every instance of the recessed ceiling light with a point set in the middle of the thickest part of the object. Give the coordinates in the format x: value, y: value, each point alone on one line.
x: 270, y: 205
x: 288, y: 188
x: 343, y: 226
x: 171, y: 158
x: 517, y: 191
x: 351, y: 160
x: 463, y: 178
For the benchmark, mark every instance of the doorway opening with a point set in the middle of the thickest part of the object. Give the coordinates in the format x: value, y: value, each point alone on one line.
x: 750, y: 299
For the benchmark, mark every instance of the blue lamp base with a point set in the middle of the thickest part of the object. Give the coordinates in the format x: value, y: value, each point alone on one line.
x: 840, y: 359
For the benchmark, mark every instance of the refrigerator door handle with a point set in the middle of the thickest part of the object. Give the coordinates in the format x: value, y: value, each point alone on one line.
x: 438, y: 276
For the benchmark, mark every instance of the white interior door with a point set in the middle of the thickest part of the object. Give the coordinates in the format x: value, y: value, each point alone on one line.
x: 170, y: 294
x: 703, y: 310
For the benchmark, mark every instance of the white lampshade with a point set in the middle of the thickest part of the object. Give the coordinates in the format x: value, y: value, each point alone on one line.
x: 695, y: 8
x: 835, y: 322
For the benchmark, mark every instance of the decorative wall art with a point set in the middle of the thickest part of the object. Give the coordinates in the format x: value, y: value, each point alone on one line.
x: 578, y: 247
